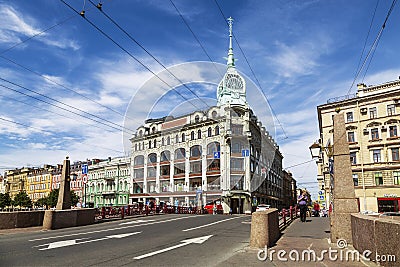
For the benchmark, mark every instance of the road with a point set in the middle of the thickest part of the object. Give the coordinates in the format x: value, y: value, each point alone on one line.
x: 164, y: 240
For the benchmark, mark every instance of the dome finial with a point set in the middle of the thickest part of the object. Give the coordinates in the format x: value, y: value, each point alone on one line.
x: 231, y: 59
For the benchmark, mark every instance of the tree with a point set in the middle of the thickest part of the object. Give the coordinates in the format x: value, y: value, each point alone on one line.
x: 42, y: 202
x: 22, y: 199
x: 5, y: 200
x: 53, y: 198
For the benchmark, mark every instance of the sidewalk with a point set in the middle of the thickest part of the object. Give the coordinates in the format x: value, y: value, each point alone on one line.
x: 312, y: 236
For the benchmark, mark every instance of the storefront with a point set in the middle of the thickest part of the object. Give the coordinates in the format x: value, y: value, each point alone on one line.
x: 388, y: 203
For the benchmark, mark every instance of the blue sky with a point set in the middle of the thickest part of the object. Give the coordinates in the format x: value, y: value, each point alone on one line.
x: 302, y: 53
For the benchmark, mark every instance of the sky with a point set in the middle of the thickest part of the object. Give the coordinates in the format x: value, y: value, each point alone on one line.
x: 69, y: 85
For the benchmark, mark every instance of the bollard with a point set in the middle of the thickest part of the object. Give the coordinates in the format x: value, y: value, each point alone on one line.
x: 122, y: 210
x: 103, y: 213
x: 284, y: 216
x: 264, y: 228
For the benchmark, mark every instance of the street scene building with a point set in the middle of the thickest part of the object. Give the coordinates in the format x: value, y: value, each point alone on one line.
x: 223, y: 153
x: 108, y: 182
x: 39, y: 182
x: 372, y: 119
x: 16, y: 180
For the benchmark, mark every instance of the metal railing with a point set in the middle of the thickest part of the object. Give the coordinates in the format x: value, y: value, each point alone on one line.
x: 287, y: 216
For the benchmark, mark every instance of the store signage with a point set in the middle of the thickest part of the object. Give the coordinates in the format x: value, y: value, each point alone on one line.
x: 390, y: 195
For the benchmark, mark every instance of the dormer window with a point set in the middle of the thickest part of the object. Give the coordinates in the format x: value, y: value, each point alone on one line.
x: 197, y: 118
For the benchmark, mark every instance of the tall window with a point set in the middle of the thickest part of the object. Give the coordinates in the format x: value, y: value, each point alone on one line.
x: 168, y: 140
x: 162, y: 141
x: 391, y: 109
x: 353, y: 158
x: 373, y: 113
x: 350, y: 137
x: 192, y: 135
x: 395, y: 154
x: 199, y: 134
x: 396, y: 177
x: 375, y: 134
x: 183, y: 137
x: 217, y: 130
x: 376, y: 155
x: 378, y: 178
x: 393, y: 131
x: 349, y: 116
x: 209, y: 132
x: 176, y: 139
x: 355, y: 179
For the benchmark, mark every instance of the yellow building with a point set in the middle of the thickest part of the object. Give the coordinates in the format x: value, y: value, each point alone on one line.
x: 39, y: 182
x: 372, y: 117
x: 16, y: 180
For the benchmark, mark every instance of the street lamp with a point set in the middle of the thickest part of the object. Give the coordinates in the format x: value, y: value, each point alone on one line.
x: 316, y: 150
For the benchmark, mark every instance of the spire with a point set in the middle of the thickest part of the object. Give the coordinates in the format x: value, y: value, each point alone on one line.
x: 231, y: 59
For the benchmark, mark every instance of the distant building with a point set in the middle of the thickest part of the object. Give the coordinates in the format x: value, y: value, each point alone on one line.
x: 372, y: 118
x: 109, y: 182
x: 39, y: 182
x: 222, y: 153
x: 3, y: 183
x: 289, y: 189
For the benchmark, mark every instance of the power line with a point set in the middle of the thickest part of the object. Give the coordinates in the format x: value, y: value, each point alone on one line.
x: 302, y: 163
x: 49, y: 103
x: 251, y: 69
x: 99, y: 7
x: 127, y: 52
x: 197, y: 39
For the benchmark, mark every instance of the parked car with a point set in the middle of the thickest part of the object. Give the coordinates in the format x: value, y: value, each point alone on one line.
x: 263, y: 207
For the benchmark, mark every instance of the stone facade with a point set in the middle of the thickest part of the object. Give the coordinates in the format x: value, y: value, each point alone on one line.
x: 372, y: 118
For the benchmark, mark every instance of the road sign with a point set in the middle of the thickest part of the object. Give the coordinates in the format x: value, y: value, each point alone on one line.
x: 245, y: 153
x: 320, y: 193
x: 217, y: 155
x: 85, y: 169
x: 321, y: 197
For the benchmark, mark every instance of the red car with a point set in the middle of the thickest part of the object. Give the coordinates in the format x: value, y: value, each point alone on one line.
x: 210, y: 207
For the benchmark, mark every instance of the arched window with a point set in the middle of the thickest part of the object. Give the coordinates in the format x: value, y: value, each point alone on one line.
x: 155, y: 143
x: 168, y: 140
x: 180, y: 153
x: 209, y: 132
x: 165, y: 156
x: 176, y: 139
x: 138, y: 160
x: 149, y: 143
x: 197, y: 118
x: 214, y: 114
x: 237, y: 147
x: 140, y: 133
x: 217, y: 130
x: 152, y: 158
x: 135, y: 147
x: 195, y: 151
x: 199, y: 134
x: 183, y: 137
x: 162, y: 141
x: 192, y: 135
x: 153, y: 130
x: 213, y: 147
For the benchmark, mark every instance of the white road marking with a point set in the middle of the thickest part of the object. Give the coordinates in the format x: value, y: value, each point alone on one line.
x: 112, y: 229
x: 72, y: 242
x: 197, y: 240
x: 205, y: 225
x: 137, y: 221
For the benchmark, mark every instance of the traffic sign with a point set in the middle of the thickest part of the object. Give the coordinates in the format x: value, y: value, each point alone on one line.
x: 321, y: 197
x: 320, y: 193
x: 217, y: 155
x: 85, y: 169
x: 245, y: 153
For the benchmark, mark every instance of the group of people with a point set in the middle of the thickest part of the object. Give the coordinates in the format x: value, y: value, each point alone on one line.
x: 302, y: 202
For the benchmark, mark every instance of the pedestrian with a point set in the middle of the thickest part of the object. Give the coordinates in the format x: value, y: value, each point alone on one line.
x: 316, y: 209
x: 302, y: 202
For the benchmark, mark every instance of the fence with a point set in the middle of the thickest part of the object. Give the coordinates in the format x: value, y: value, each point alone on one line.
x: 286, y: 216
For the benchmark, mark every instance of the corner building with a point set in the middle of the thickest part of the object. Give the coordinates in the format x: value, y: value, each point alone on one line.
x: 222, y: 153
x: 372, y: 119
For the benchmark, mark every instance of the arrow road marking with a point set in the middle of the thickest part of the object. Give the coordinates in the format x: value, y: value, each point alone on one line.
x: 72, y: 242
x: 137, y: 221
x: 197, y: 240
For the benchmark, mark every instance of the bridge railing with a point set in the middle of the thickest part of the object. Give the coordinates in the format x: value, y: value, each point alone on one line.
x: 287, y: 216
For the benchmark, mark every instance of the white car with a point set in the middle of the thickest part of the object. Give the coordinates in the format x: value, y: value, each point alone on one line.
x: 263, y: 207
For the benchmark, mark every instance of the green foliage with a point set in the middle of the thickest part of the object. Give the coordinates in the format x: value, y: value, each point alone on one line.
x: 74, y: 198
x: 41, y: 202
x: 53, y: 198
x: 22, y: 200
x: 5, y: 200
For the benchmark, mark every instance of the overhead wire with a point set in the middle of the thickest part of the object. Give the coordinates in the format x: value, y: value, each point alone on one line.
x: 99, y: 7
x: 129, y: 53
x: 68, y: 110
x: 253, y: 73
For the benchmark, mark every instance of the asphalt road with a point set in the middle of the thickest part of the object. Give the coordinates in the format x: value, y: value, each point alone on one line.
x: 165, y: 240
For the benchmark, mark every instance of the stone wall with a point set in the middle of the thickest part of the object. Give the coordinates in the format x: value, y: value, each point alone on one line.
x: 264, y: 228
x: 56, y: 219
x: 379, y: 235
x: 20, y: 219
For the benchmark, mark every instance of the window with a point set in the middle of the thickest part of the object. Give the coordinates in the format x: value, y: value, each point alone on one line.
x: 149, y: 143
x: 350, y: 137
x: 168, y: 140
x: 195, y: 167
x: 165, y: 156
x: 197, y: 118
x: 393, y: 131
x: 217, y: 130
x: 237, y: 129
x: 374, y: 134
x: 213, y: 147
x: 373, y: 113
x: 162, y: 141
x: 151, y: 172
x: 209, y: 132
x: 349, y: 116
x: 183, y: 137
x: 396, y: 177
x: 391, y: 110
x: 180, y: 153
x: 376, y: 155
x: 138, y: 160
x: 395, y: 154
x: 152, y: 158
x: 192, y: 135
x: 195, y: 151
x: 378, y: 178
x: 176, y: 139
x: 353, y: 158
x: 155, y: 143
x: 199, y: 134
x: 355, y: 179
x: 214, y: 114
x: 164, y: 170
x: 236, y: 164
x: 237, y: 147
